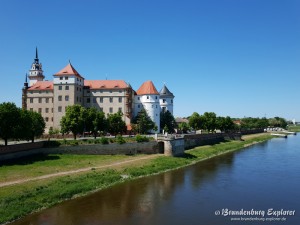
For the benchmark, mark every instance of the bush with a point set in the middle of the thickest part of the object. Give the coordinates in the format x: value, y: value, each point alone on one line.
x: 140, y: 138
x: 120, y: 139
x: 73, y: 143
x: 104, y: 141
x: 52, y: 144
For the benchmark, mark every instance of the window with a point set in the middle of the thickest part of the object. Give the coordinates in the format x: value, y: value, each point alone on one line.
x: 111, y: 110
x: 61, y: 78
x: 31, y: 100
x: 164, y: 109
x: 67, y: 98
x: 138, y: 98
x: 164, y: 100
x: 40, y: 110
x: 40, y: 100
x: 156, y: 106
x: 151, y: 106
x: 47, y: 110
x: 40, y: 92
x: 46, y: 119
x: 88, y: 91
x: 77, y: 79
x: 47, y: 100
x: 60, y: 87
x: 110, y: 91
x: 52, y: 110
x: 101, y: 109
x: 139, y: 106
x: 31, y: 109
x: 120, y: 91
x: 66, y: 78
x: 120, y: 99
x: 52, y: 119
x: 88, y: 100
x: 59, y: 98
x: 94, y: 100
x: 101, y: 99
x: 67, y: 87
x: 110, y: 99
x: 120, y: 109
x: 77, y: 88
x: 59, y: 108
x: 147, y: 97
x: 155, y: 97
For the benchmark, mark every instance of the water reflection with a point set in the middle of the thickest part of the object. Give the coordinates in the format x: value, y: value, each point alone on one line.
x: 189, y: 195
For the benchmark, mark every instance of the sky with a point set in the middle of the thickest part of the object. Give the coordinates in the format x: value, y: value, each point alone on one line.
x: 237, y: 58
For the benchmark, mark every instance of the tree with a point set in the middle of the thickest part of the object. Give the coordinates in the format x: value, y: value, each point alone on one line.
x: 95, y: 121
x: 195, y: 121
x: 9, y: 120
x: 33, y: 125
x: 142, y: 123
x: 115, y: 123
x: 278, y: 122
x: 184, y: 127
x: 209, y: 121
x: 167, y: 120
x: 73, y: 120
x: 224, y: 123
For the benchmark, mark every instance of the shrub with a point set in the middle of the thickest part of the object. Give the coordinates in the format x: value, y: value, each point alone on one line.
x: 104, y: 141
x: 120, y: 139
x: 140, y: 138
x: 52, y: 144
x: 73, y: 143
x: 111, y: 140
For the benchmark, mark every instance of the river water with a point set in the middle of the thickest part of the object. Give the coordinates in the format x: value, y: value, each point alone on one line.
x: 252, y: 181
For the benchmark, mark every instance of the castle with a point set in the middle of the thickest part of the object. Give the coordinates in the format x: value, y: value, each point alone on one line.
x: 50, y: 98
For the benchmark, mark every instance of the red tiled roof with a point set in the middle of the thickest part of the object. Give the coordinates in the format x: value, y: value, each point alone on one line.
x: 42, y: 85
x: 68, y: 70
x: 105, y: 84
x: 147, y: 88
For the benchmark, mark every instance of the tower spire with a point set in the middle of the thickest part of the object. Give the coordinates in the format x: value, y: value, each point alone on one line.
x: 36, y: 53
x: 26, y: 78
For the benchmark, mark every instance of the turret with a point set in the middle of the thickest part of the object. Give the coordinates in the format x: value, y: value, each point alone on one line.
x: 147, y: 97
x: 166, y: 100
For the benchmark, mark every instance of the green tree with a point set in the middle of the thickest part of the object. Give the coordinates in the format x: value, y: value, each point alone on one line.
x: 195, y: 121
x: 184, y: 127
x: 95, y: 121
x: 115, y: 123
x: 33, y: 125
x: 224, y: 123
x: 9, y: 120
x: 142, y: 123
x: 73, y: 120
x: 209, y: 121
x: 167, y: 120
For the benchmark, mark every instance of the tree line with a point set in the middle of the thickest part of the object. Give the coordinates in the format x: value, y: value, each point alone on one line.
x: 16, y: 123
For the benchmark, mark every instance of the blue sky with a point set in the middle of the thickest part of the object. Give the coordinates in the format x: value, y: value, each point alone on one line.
x: 232, y: 57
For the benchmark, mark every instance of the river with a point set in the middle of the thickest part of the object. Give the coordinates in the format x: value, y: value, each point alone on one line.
x: 251, y: 182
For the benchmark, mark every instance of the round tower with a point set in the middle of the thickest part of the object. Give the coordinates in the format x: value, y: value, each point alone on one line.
x: 166, y: 99
x: 147, y: 97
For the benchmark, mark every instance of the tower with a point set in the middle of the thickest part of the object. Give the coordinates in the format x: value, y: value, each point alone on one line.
x: 24, y: 93
x: 36, y: 72
x: 148, y: 98
x: 166, y: 99
x: 68, y: 87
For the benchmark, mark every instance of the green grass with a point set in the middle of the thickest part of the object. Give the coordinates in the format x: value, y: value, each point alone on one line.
x: 294, y: 128
x: 19, y: 200
x: 40, y: 165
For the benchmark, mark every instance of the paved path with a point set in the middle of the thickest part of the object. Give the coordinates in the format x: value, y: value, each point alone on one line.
x: 4, y: 184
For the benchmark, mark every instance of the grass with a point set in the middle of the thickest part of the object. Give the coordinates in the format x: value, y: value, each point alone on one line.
x: 294, y: 128
x: 19, y: 200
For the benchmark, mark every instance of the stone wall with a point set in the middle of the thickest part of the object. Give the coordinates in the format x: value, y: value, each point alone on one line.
x: 174, y: 147
x: 20, y: 147
x: 151, y: 147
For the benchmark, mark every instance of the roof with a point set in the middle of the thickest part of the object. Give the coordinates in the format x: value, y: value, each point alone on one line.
x: 68, y: 70
x: 165, y: 92
x: 181, y: 120
x: 105, y: 84
x: 42, y: 85
x: 147, y: 88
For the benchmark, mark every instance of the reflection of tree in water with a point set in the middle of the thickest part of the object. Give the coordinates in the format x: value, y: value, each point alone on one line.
x: 130, y: 201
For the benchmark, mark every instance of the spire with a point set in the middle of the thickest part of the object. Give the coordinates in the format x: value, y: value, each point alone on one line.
x: 26, y: 78
x: 36, y: 60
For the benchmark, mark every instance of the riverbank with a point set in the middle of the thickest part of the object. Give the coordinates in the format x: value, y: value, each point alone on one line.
x: 21, y: 199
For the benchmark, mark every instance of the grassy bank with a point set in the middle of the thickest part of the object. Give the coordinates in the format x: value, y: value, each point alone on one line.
x: 294, y: 128
x: 19, y: 200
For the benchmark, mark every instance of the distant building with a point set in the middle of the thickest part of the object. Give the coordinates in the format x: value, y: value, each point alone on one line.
x: 50, y: 98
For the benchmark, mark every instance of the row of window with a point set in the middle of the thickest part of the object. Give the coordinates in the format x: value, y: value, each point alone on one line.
x: 101, y: 91
x: 164, y: 100
x: 40, y: 92
x: 111, y: 110
x: 40, y: 110
x: 40, y: 100
x: 111, y: 100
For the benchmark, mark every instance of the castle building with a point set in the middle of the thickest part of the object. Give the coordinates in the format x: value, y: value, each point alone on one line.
x: 69, y: 87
